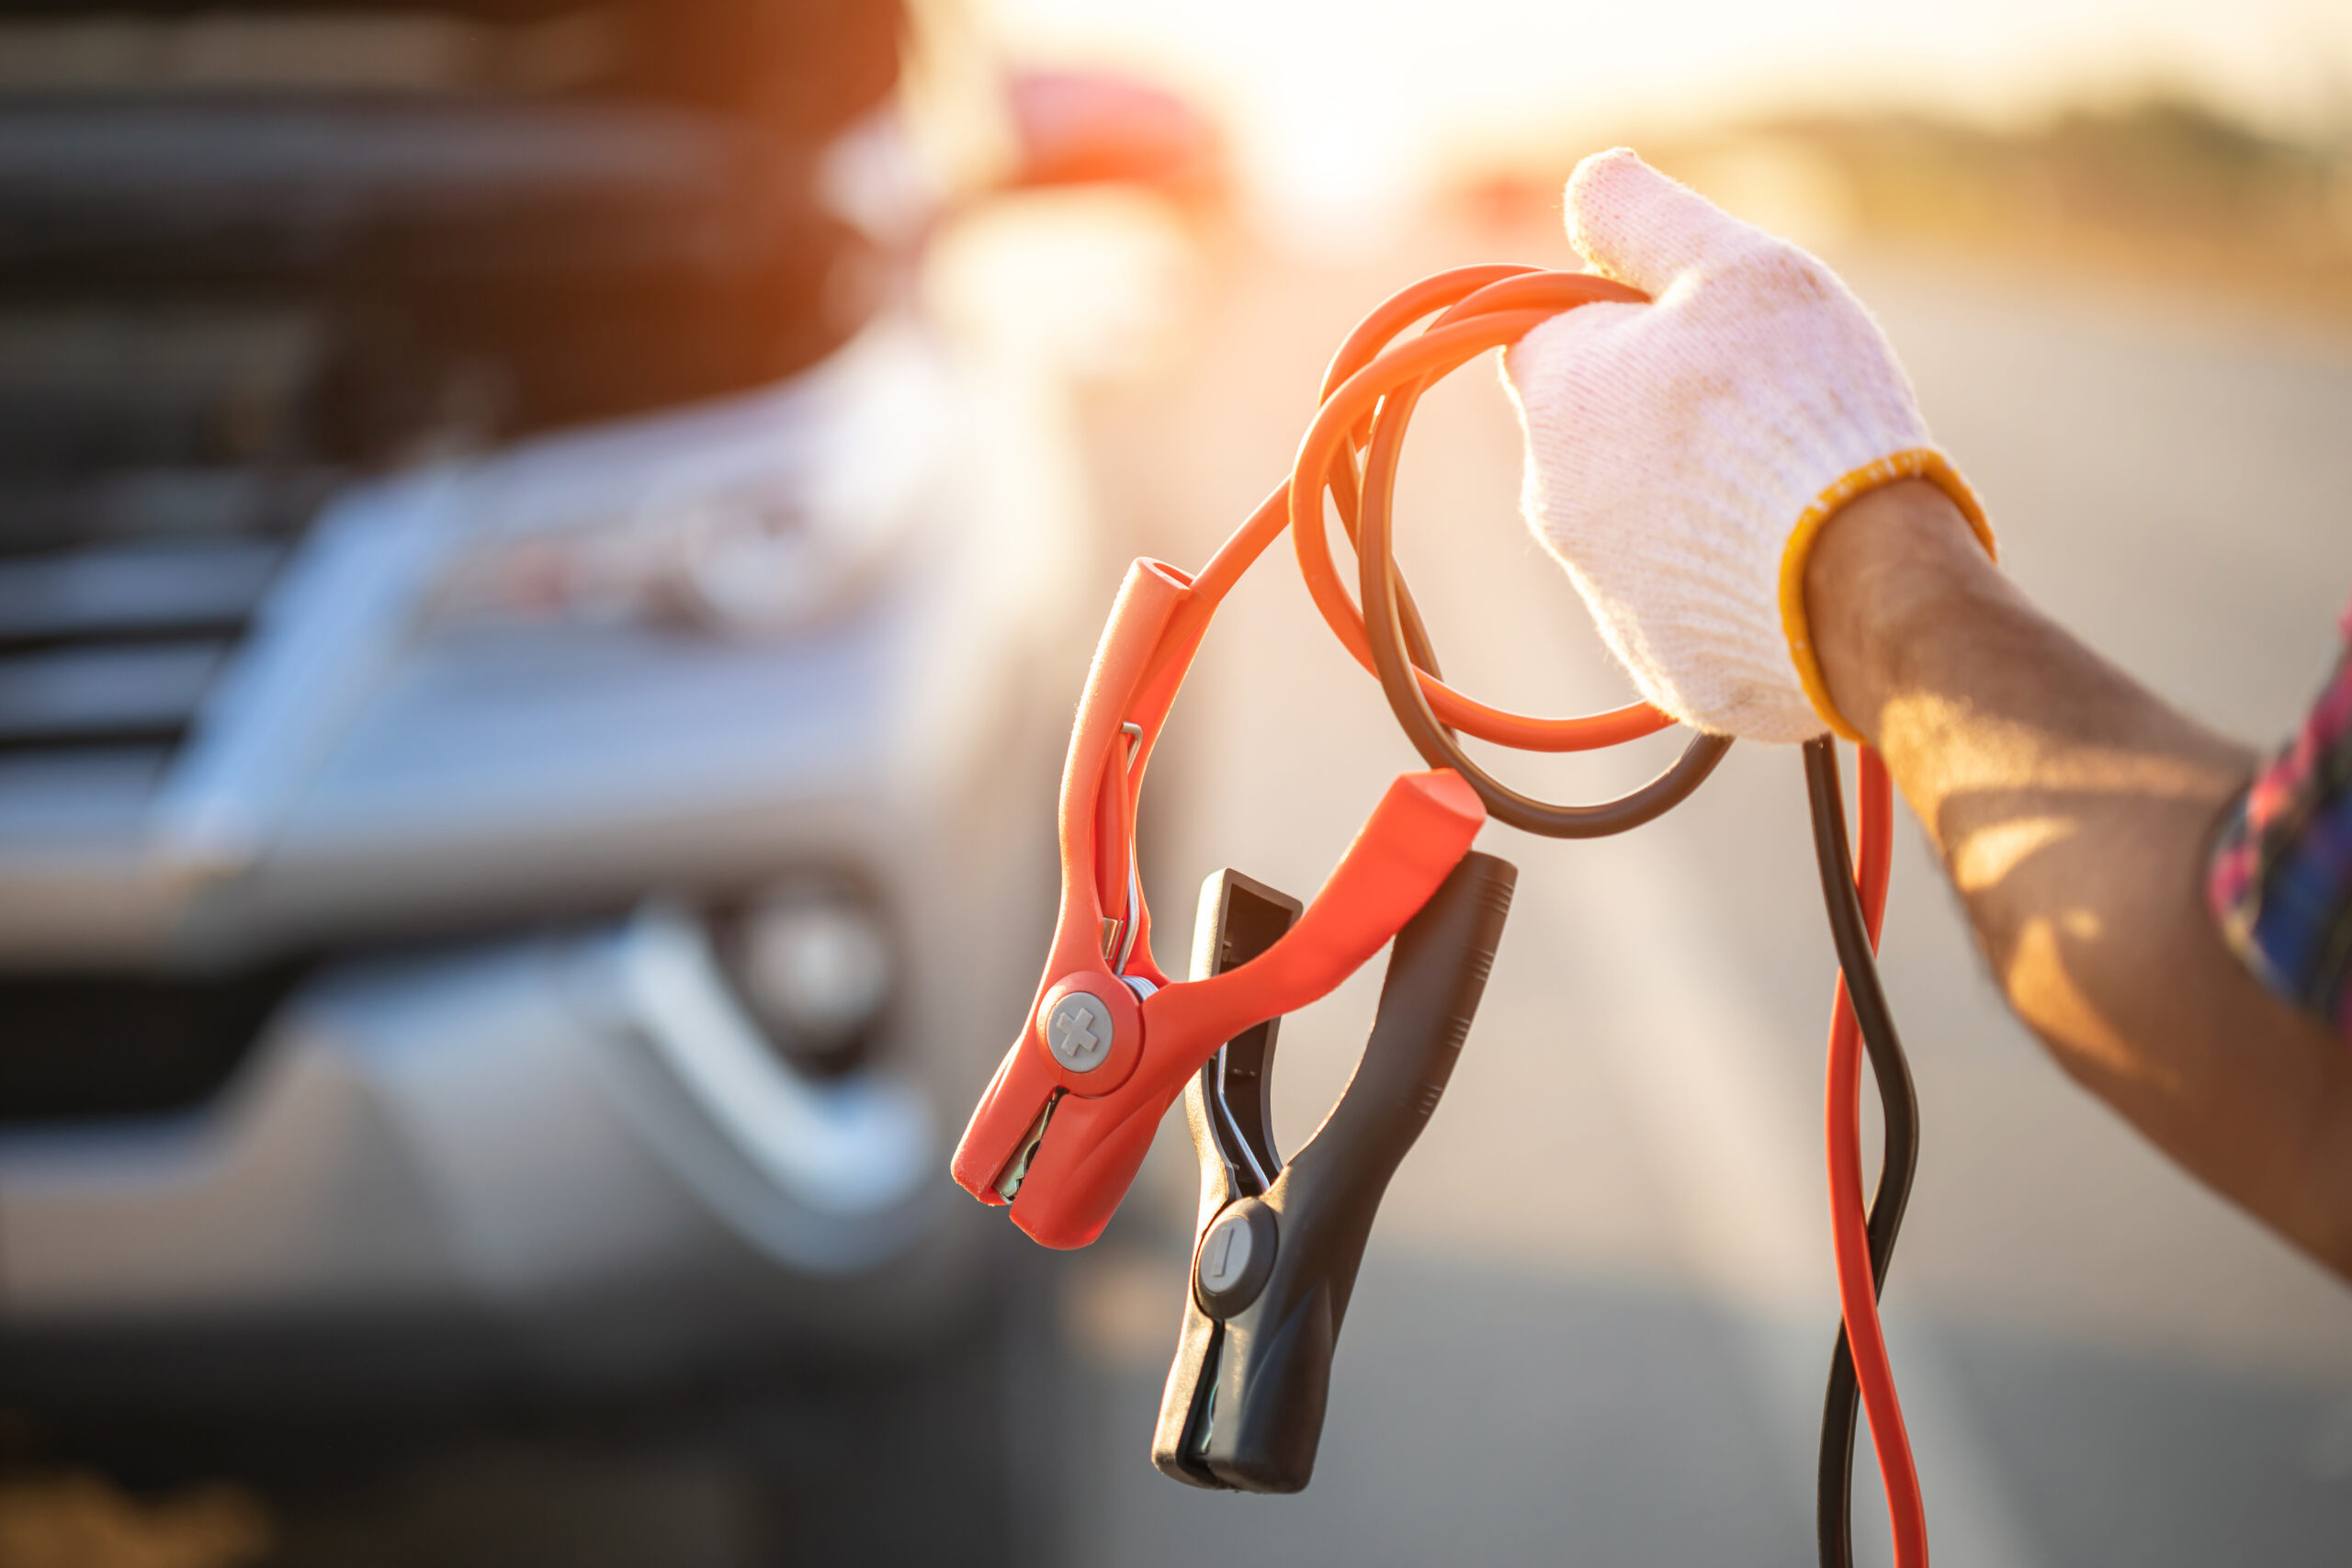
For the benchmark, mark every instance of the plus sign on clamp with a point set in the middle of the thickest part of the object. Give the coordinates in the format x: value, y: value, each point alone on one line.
x: 1111, y: 1040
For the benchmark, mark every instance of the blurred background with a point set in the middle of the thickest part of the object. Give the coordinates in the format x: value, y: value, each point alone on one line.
x: 546, y: 551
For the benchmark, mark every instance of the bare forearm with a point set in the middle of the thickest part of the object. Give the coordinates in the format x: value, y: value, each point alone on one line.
x: 2072, y: 809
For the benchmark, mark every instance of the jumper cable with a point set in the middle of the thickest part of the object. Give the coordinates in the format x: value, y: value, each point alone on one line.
x: 1111, y: 1040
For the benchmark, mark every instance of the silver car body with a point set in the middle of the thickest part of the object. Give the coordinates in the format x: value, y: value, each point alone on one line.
x: 518, y: 1089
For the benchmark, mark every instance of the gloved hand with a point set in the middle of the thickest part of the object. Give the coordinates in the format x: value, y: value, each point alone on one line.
x: 1682, y: 454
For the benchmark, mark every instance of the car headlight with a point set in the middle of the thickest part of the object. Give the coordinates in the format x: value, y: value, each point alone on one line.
x: 737, y: 561
x: 752, y: 517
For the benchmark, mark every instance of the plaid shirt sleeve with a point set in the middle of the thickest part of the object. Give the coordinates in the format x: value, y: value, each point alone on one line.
x: 2280, y: 879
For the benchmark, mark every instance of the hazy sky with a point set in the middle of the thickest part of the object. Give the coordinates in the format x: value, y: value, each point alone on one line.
x: 1330, y: 97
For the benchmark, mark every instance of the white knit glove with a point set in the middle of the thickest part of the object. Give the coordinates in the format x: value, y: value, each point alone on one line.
x: 1682, y: 454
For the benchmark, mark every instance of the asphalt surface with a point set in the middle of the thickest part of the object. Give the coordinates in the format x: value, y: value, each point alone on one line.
x: 1594, y: 1321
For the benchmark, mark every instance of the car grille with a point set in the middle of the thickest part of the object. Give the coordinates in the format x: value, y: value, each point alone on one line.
x: 83, y: 1047
x: 152, y: 478
x: 111, y: 632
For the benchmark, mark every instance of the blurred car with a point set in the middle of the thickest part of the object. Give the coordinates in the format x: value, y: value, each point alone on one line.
x: 531, y: 679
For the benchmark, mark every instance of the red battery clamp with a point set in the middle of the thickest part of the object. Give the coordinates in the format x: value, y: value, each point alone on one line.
x: 1111, y: 1040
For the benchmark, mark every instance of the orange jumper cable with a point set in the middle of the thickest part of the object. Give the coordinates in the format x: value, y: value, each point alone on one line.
x: 1351, y: 452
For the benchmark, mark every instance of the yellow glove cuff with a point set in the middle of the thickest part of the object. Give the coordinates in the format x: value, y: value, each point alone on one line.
x: 1920, y: 463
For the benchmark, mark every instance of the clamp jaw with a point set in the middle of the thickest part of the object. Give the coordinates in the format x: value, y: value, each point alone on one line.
x: 1277, y: 1245
x: 1111, y: 1040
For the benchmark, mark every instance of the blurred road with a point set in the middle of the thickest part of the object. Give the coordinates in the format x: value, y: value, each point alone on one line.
x: 1594, y: 1321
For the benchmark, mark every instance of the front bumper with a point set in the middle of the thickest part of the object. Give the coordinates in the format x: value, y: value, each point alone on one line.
x: 575, y: 1147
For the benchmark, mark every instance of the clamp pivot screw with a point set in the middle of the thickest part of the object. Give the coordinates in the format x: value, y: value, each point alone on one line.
x: 1078, y: 1032
x: 1236, y: 1257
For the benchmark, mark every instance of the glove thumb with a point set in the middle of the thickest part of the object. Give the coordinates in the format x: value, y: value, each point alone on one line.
x: 1635, y: 225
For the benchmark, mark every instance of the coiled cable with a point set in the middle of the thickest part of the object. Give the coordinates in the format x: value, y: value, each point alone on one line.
x: 1350, y: 453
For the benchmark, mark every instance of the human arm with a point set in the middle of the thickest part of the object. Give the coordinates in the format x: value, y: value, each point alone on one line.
x: 2074, y: 812
x: 1722, y: 472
